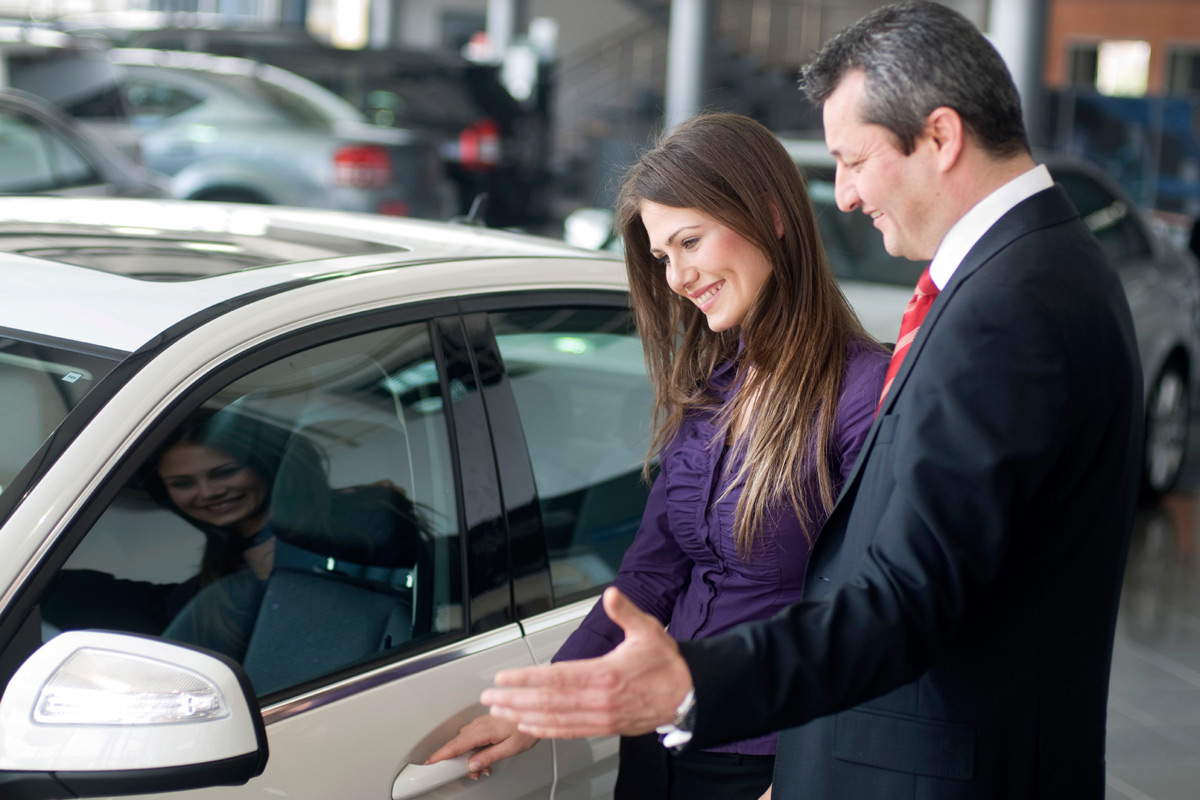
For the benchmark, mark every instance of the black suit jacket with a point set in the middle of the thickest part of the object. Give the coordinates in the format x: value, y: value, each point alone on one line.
x: 956, y: 635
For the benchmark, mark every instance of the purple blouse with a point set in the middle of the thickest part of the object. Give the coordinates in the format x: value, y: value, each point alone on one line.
x: 683, y: 566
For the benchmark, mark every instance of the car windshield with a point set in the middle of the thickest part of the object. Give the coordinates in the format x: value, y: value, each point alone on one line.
x: 40, y: 384
x: 854, y: 247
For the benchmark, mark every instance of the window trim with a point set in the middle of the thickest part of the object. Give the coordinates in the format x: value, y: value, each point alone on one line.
x: 503, y: 416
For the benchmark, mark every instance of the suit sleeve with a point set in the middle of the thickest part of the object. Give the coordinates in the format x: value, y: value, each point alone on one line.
x: 978, y: 426
x: 653, y: 573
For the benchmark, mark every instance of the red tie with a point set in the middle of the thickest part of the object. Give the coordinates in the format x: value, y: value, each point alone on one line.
x: 910, y: 323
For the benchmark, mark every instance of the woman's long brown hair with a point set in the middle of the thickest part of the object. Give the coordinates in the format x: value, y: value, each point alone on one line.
x: 795, y: 336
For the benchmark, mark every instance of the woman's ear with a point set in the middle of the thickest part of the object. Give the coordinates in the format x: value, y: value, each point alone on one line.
x: 776, y: 217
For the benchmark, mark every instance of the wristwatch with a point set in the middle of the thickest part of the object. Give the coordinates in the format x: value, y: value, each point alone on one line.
x: 679, y: 732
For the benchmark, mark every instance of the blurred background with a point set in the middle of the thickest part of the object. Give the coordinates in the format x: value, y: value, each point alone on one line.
x: 519, y: 113
x: 542, y: 103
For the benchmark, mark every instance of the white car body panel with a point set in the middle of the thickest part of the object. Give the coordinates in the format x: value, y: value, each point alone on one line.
x: 587, y: 767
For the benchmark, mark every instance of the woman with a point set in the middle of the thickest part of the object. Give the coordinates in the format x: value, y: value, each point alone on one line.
x: 765, y: 386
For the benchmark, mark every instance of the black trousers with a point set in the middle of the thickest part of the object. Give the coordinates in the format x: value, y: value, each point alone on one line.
x: 649, y: 771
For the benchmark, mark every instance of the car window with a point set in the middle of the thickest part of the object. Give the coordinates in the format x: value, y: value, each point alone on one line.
x: 71, y: 168
x: 426, y: 99
x: 35, y: 159
x: 1108, y: 217
x: 302, y: 520
x: 580, y: 384
x: 103, y: 102
x: 40, y: 384
x: 289, y: 104
x: 150, y: 101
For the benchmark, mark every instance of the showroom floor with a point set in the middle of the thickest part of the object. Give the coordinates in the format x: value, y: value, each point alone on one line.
x: 1154, y: 700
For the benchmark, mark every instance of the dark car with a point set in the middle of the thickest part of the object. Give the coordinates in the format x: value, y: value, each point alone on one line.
x: 43, y: 151
x: 489, y: 142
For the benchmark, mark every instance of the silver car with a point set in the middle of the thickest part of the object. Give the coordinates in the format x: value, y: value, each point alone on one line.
x: 236, y: 130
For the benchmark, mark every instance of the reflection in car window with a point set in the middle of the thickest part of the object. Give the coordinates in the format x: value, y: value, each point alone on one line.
x: 40, y: 385
x: 302, y: 521
x: 579, y: 379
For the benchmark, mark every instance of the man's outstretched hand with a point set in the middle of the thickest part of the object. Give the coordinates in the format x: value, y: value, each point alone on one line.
x: 630, y: 691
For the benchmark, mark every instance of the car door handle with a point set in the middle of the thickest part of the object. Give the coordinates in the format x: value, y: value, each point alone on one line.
x: 417, y: 779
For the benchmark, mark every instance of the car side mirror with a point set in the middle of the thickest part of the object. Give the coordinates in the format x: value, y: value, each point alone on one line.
x: 93, y: 714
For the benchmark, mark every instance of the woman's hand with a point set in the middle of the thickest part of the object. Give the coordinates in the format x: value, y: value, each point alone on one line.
x: 499, y: 739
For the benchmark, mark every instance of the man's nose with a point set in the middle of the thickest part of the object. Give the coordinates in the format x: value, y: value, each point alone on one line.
x: 844, y: 192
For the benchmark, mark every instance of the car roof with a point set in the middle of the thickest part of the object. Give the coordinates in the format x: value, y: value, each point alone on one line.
x: 114, y: 273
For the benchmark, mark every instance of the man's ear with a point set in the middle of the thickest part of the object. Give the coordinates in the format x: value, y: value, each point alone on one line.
x: 944, y: 127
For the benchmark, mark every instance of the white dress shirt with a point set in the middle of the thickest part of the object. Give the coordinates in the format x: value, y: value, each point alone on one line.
x: 971, y: 226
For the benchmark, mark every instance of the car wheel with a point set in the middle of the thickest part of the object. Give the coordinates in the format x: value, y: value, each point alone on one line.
x: 1167, y: 417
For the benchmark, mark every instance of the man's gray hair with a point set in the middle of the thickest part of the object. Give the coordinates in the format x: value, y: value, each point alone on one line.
x: 919, y: 56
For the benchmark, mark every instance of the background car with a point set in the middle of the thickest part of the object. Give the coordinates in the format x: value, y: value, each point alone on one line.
x: 233, y: 129
x: 490, y: 376
x: 488, y: 141
x: 42, y: 151
x: 1161, y: 282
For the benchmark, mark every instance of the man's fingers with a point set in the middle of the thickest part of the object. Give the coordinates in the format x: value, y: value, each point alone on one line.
x: 563, y: 675
x: 521, y: 700
x: 589, y: 719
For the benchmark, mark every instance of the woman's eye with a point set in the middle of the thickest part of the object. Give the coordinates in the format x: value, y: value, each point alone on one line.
x: 182, y: 484
x: 688, y: 244
x: 663, y: 261
x: 226, y: 472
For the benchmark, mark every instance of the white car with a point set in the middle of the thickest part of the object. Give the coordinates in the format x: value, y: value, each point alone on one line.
x: 490, y: 384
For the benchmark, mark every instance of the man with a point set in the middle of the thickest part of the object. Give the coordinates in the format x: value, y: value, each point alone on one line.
x: 956, y: 635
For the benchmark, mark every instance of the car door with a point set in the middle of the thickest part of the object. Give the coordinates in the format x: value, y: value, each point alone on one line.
x: 571, y: 406
x: 364, y: 662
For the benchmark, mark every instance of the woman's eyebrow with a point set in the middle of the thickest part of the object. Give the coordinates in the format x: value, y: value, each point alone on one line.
x: 672, y: 237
